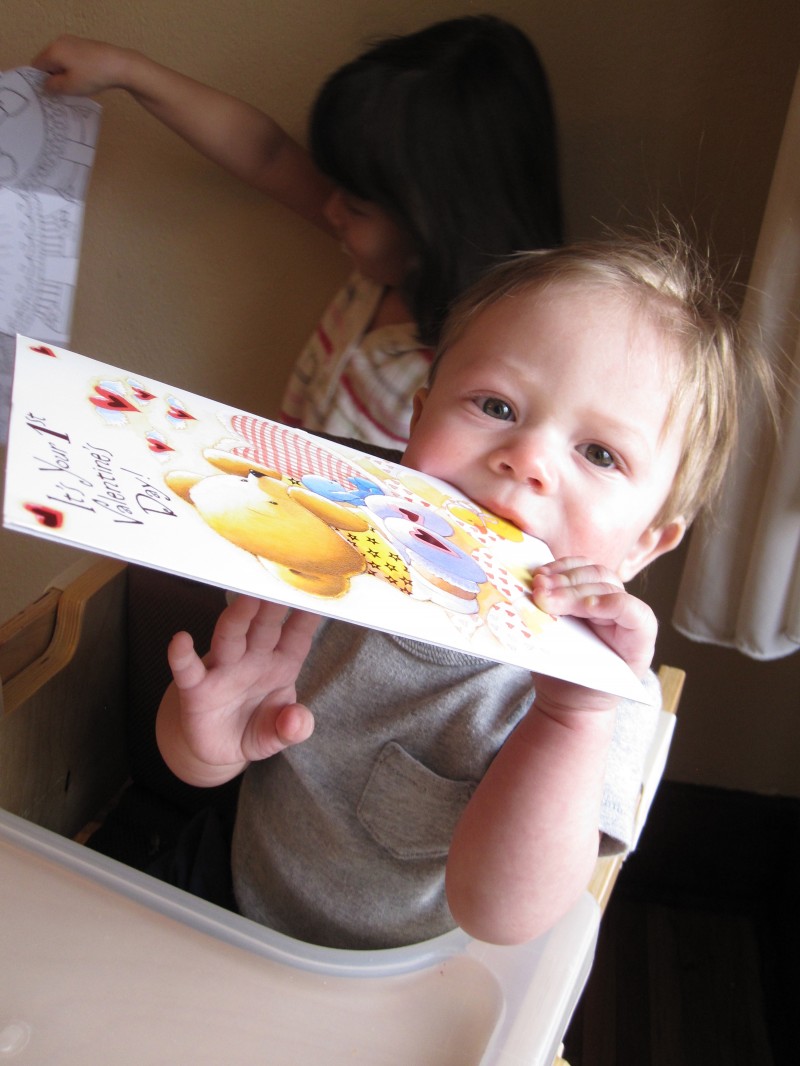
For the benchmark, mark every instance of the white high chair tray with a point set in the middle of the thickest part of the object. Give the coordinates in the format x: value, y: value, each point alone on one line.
x: 101, y: 964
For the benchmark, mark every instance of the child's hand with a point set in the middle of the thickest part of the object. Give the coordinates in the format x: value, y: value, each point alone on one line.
x: 239, y: 704
x: 577, y: 587
x: 80, y: 67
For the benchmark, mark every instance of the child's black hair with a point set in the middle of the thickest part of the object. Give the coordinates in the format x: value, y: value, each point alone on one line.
x: 451, y: 130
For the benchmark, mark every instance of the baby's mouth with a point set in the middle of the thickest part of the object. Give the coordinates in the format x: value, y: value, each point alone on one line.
x: 508, y: 513
x: 529, y: 526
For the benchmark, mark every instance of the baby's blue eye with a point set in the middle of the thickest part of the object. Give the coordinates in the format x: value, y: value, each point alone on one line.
x: 599, y: 456
x: 497, y: 408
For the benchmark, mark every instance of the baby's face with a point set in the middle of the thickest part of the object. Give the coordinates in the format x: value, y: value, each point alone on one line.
x: 550, y: 411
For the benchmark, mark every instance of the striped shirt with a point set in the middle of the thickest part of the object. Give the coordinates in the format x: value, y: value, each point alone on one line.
x: 351, y: 381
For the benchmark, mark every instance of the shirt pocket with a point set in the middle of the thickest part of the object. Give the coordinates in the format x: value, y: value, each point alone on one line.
x: 408, y: 809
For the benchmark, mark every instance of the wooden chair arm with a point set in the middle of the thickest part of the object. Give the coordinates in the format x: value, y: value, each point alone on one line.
x: 64, y: 701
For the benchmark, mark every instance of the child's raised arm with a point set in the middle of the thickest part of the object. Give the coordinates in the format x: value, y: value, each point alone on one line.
x: 239, y: 704
x: 525, y: 847
x: 239, y: 137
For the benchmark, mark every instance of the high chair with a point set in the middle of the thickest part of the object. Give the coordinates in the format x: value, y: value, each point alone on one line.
x: 104, y: 963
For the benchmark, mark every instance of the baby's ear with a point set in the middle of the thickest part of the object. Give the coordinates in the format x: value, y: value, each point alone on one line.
x: 420, y: 396
x: 655, y: 541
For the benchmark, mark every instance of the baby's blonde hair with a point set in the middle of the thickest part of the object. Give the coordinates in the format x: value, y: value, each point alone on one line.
x: 673, y: 285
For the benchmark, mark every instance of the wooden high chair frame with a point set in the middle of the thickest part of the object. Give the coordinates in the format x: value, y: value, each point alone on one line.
x: 64, y: 742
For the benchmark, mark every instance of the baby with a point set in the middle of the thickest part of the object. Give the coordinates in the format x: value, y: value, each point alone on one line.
x: 393, y: 789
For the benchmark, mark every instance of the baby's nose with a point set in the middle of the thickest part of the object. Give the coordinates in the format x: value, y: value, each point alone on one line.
x: 530, y: 459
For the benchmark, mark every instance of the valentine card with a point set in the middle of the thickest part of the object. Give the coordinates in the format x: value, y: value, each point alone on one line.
x: 116, y: 463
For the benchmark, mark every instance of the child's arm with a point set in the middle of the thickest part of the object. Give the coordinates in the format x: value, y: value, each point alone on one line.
x: 242, y: 139
x: 239, y: 704
x: 525, y: 847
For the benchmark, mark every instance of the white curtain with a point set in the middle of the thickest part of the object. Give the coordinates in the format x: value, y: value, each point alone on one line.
x: 741, y: 583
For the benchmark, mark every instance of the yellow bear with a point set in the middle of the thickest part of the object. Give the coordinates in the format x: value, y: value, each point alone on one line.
x: 285, y: 525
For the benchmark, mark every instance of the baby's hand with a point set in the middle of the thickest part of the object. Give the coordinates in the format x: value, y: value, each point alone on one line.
x: 239, y: 704
x: 80, y: 67
x: 577, y: 587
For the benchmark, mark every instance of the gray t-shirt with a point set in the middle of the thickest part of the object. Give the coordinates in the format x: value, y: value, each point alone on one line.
x: 342, y: 840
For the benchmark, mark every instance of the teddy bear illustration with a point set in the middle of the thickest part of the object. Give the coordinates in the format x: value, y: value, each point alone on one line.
x: 297, y: 533
x: 424, y: 542
x: 441, y: 571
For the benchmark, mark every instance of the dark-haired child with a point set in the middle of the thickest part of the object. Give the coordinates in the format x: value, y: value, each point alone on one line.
x: 431, y: 156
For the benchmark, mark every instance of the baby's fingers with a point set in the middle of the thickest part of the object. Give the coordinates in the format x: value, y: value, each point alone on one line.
x: 297, y: 633
x: 575, y: 570
x: 184, y: 662
x: 246, y: 620
x: 294, y: 724
x: 597, y: 595
x: 573, y: 591
x: 271, y: 731
x: 600, y: 602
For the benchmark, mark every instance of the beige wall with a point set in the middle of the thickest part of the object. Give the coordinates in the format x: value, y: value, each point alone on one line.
x: 191, y: 278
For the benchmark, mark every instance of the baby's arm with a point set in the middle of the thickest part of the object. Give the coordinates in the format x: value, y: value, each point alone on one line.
x: 526, y: 845
x: 239, y: 137
x: 239, y: 704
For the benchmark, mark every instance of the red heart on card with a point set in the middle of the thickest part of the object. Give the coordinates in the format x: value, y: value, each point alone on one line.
x: 180, y: 414
x: 111, y: 401
x: 143, y: 394
x: 155, y: 444
x: 42, y: 349
x: 47, y: 516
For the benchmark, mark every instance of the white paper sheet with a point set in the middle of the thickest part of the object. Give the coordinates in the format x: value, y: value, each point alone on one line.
x: 46, y: 154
